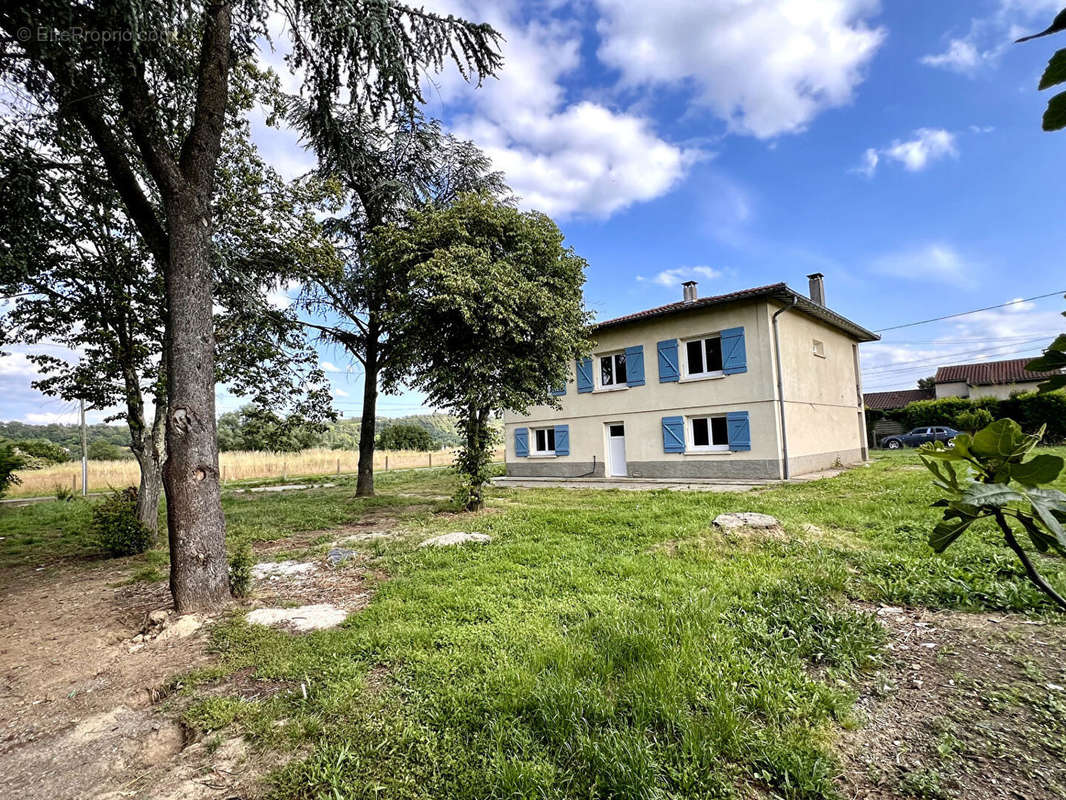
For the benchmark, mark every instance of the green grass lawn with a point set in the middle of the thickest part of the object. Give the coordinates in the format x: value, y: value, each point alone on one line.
x: 606, y: 644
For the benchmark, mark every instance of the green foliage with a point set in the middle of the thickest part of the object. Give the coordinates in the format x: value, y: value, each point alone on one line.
x: 66, y: 436
x: 42, y: 452
x: 473, y: 462
x: 402, y: 436
x: 987, y: 476
x: 971, y: 421
x: 104, y: 451
x: 492, y: 312
x: 257, y: 428
x: 10, y: 460
x: 115, y: 526
x: 1031, y: 410
x: 1054, y: 358
x: 1054, y: 74
x: 240, y: 570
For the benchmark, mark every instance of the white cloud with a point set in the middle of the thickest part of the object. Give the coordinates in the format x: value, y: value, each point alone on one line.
x: 329, y: 366
x: 989, y: 37
x: 17, y: 364
x: 938, y: 263
x: 561, y: 156
x: 339, y: 392
x: 766, y: 68
x: 674, y: 277
x: 1018, y: 305
x: 927, y: 146
x: 50, y: 418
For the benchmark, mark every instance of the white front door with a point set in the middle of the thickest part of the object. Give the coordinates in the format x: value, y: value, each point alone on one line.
x: 616, y: 450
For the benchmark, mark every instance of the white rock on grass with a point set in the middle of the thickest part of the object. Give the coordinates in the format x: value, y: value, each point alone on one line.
x: 745, y: 519
x: 304, y: 618
x: 455, y: 539
x: 272, y: 570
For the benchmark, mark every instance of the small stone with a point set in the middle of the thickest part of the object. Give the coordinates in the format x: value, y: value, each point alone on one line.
x: 455, y: 539
x: 338, y: 555
x: 272, y: 570
x: 304, y: 618
x: 181, y: 628
x: 745, y: 519
x: 158, y: 617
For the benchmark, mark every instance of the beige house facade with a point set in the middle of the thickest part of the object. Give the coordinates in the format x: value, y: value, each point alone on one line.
x: 758, y: 384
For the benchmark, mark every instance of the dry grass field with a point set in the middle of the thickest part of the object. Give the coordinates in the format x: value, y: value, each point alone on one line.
x: 236, y: 466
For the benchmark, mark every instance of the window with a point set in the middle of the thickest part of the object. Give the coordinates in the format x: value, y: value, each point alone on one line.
x: 613, y: 370
x: 544, y: 441
x: 709, y: 433
x: 703, y: 357
x: 818, y: 348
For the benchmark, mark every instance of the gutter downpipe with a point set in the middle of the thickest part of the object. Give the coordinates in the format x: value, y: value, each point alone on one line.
x: 781, y: 387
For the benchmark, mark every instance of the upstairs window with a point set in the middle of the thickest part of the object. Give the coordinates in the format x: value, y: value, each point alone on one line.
x: 710, y: 433
x: 544, y: 441
x: 703, y: 356
x: 613, y: 370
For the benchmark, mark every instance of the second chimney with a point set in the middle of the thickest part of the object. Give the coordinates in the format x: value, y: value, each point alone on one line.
x: 689, y: 290
x: 817, y: 288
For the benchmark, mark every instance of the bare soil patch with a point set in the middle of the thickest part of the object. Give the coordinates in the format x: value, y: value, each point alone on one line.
x: 966, y: 706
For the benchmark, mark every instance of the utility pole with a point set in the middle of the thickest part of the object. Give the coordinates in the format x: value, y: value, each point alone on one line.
x: 84, y: 455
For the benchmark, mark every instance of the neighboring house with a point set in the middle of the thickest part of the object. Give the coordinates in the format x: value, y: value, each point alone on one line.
x: 693, y: 390
x: 889, y: 401
x: 999, y: 379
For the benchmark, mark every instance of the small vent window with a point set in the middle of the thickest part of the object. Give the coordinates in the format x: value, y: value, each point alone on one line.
x: 818, y: 348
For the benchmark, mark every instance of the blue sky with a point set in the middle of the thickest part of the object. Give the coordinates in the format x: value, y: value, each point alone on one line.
x: 895, y: 147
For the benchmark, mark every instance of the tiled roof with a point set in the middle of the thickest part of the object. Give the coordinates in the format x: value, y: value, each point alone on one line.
x: 885, y: 401
x: 776, y: 291
x: 988, y: 373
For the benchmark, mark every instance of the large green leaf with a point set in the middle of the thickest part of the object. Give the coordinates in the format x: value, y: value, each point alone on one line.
x: 998, y: 440
x: 947, y: 531
x: 994, y: 495
x: 1055, y: 72
x: 1040, y: 469
x: 1055, y: 116
x: 1045, y: 503
x: 1041, y: 539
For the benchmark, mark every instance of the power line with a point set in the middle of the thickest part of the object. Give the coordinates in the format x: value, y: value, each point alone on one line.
x: 965, y: 313
x: 1001, y: 350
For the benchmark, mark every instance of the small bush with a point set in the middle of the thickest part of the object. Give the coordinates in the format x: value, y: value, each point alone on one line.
x: 115, y: 525
x: 240, y: 571
x: 10, y: 461
x: 973, y: 421
x: 64, y: 494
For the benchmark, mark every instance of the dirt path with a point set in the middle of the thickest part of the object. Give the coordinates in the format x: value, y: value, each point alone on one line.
x: 966, y: 706
x: 78, y: 710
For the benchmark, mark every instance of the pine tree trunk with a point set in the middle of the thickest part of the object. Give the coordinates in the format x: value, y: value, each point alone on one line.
x: 368, y: 423
x: 198, y: 565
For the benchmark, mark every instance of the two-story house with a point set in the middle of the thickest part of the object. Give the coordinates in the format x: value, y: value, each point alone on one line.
x: 757, y: 384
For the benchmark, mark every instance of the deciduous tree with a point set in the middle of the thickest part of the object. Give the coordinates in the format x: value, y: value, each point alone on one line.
x: 155, y: 112
x: 491, y: 317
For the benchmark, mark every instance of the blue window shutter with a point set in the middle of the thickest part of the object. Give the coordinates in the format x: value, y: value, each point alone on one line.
x: 668, y: 369
x: 734, y: 357
x: 521, y: 442
x: 673, y: 434
x: 562, y: 440
x: 739, y: 430
x: 584, y: 375
x: 635, y: 365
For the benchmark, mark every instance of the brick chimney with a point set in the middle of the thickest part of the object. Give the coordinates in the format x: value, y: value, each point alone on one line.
x: 817, y: 288
x: 689, y: 291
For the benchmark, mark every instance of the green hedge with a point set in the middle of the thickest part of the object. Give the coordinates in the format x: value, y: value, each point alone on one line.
x: 1029, y: 410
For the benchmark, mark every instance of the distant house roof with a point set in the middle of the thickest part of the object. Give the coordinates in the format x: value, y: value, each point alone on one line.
x: 989, y: 373
x: 886, y: 401
x: 775, y: 291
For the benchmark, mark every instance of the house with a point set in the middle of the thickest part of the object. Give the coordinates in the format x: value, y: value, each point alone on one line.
x: 889, y: 401
x: 999, y: 379
x: 762, y: 383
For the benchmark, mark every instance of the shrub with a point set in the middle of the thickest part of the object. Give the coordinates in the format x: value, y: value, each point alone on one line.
x: 115, y: 525
x: 405, y: 437
x: 105, y: 451
x: 240, y: 571
x: 10, y: 461
x: 1031, y: 411
x: 971, y: 421
x: 42, y: 452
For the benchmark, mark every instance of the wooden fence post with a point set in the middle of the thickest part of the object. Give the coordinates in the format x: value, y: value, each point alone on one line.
x: 431, y: 459
x: 338, y: 466
x: 386, y: 462
x: 74, y: 483
x: 284, y: 470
